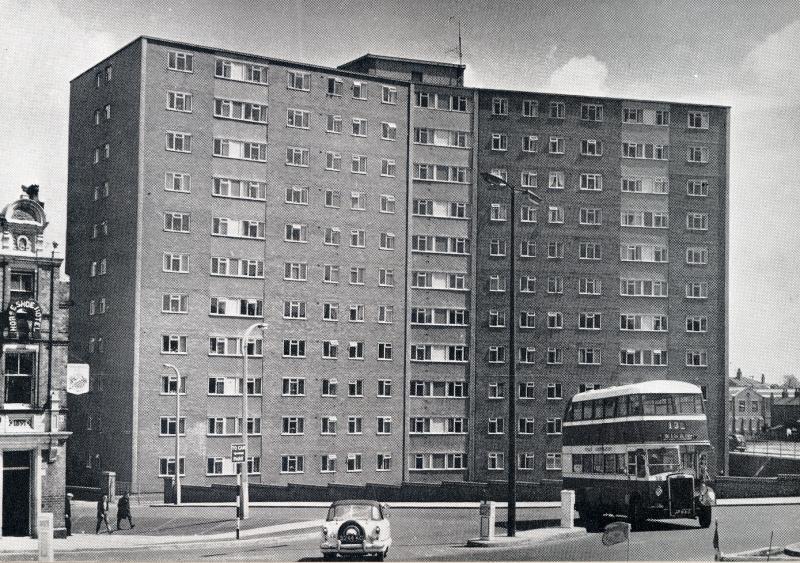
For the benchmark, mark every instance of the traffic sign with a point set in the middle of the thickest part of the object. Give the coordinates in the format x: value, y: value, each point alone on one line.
x: 237, y: 453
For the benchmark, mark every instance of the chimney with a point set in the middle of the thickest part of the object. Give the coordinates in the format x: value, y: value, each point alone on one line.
x: 763, y: 379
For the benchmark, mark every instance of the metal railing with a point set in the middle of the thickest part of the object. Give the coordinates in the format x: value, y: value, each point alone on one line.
x: 772, y: 448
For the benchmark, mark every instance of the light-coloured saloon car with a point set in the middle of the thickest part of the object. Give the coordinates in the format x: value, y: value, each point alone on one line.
x: 356, y: 527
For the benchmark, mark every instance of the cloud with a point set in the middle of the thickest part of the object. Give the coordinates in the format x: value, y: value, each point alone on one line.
x: 774, y: 64
x: 580, y: 75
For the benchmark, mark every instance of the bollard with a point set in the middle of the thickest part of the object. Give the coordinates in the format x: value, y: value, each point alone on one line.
x: 238, y: 516
x: 567, y: 509
x: 44, y: 531
x: 488, y: 513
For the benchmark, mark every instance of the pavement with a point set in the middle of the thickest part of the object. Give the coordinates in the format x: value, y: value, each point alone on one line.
x: 528, y: 537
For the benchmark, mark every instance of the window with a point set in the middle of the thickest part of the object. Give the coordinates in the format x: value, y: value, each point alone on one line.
x: 498, y: 212
x: 334, y: 124
x: 384, y: 388
x: 330, y: 349
x: 328, y: 425
x: 697, y: 154
x: 555, y: 320
x: 177, y: 60
x: 497, y: 283
x: 554, y: 392
x: 495, y: 461
x: 591, y: 147
x: 527, y: 355
x: 297, y: 156
x: 329, y: 387
x: 245, y: 72
x: 527, y: 213
x: 632, y: 115
x: 696, y: 324
x: 247, y: 111
x: 384, y: 424
x: 334, y: 86
x: 354, y: 425
x: 557, y: 110
x: 359, y: 127
x: 696, y: 221
x: 497, y: 247
x: 530, y: 143
x: 499, y: 142
x: 330, y: 311
x: 20, y: 369
x: 497, y: 319
x: 389, y: 94
x: 590, y: 216
x: 553, y: 461
x: 295, y: 271
x: 388, y: 167
x: 529, y: 179
x: 333, y: 161
x: 358, y: 238
x: 386, y: 314
x: 333, y: 198
x: 332, y: 236
x: 358, y: 164
x: 297, y: 80
x: 178, y: 142
x: 555, y: 356
x: 168, y: 426
x: 643, y: 357
x: 176, y: 263
x: 240, y: 150
x: 291, y: 309
x: 589, y: 356
x: 697, y: 120
x: 530, y: 108
x: 296, y: 195
x: 696, y: 256
x: 590, y: 251
x: 166, y: 466
x: 555, y: 214
x: 526, y: 426
x: 496, y: 425
x: 499, y: 106
x: 388, y: 131
x: 555, y: 250
x: 386, y: 275
x: 173, y: 344
x: 589, y: 286
x: 359, y: 90
x: 294, y: 387
x: 556, y: 145
x: 589, y: 321
x: 240, y: 189
x: 291, y: 464
x: 297, y: 118
x: 527, y: 319
x: 527, y: 284
x: 176, y: 222
x: 353, y: 463
x: 356, y: 351
x: 697, y: 188
x: 556, y: 181
x: 175, y: 303
x: 330, y: 273
x: 696, y: 358
x: 177, y: 182
x: 295, y: 233
x: 388, y: 203
x: 383, y: 462
x: 697, y: 290
x: 591, y: 112
x: 294, y: 348
x: 591, y: 182
x: 292, y: 425
x: 176, y: 101
x: 554, y: 426
x: 662, y: 117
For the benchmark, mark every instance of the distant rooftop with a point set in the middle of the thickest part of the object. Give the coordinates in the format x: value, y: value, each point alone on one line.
x: 373, y: 56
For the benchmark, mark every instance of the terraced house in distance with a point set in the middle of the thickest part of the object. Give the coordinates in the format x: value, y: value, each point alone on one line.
x: 345, y: 208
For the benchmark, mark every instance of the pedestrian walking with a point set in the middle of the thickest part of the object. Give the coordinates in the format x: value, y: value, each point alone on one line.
x: 68, y: 514
x: 124, y: 511
x: 102, y: 514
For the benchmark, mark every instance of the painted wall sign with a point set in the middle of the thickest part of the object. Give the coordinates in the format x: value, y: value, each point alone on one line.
x: 24, y: 319
x: 77, y: 379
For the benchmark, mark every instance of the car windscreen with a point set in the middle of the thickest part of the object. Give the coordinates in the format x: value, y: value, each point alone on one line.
x: 354, y: 512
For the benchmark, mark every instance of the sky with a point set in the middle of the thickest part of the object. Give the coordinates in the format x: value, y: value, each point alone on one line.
x: 741, y: 54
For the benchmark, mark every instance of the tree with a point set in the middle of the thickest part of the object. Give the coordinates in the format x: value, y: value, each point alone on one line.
x: 739, y: 373
x: 791, y: 381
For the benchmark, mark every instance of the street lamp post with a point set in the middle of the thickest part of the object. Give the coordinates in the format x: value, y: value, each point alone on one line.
x: 177, y: 432
x: 511, y: 519
x: 244, y: 496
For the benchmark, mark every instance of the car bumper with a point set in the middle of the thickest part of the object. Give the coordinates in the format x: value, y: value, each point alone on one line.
x: 364, y: 548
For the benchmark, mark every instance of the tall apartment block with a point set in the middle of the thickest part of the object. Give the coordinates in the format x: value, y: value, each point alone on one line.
x: 209, y: 190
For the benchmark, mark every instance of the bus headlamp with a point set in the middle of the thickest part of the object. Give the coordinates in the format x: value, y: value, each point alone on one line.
x: 659, y: 491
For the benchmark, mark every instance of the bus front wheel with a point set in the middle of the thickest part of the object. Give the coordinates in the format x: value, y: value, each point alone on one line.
x: 636, y: 514
x: 704, y: 516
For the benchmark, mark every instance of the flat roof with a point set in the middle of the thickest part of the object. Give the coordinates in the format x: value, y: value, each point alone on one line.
x: 656, y: 386
x: 403, y: 60
x: 320, y: 68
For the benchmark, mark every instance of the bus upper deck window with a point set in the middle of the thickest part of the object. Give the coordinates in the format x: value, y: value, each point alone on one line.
x: 635, y: 405
x: 577, y: 411
x: 608, y: 407
x: 622, y: 406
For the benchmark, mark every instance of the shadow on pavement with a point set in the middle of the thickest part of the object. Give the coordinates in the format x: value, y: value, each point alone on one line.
x: 523, y: 525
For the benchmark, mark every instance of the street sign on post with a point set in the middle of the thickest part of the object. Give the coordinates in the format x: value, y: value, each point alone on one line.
x: 237, y: 453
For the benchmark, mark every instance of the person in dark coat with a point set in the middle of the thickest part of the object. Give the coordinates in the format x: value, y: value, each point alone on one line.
x: 102, y: 514
x: 124, y: 511
x: 68, y: 514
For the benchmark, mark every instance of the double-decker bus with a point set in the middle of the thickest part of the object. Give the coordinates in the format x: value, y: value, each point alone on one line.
x: 640, y: 450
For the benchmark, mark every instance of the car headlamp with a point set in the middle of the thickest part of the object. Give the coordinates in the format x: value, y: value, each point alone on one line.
x: 376, y: 533
x: 659, y: 491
